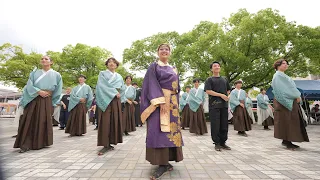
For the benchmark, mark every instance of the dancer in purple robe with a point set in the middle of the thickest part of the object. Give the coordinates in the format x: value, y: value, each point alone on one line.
x: 160, y: 108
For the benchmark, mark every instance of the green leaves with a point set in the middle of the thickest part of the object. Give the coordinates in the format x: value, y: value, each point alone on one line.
x: 143, y: 52
x: 246, y: 44
x: 82, y: 59
x: 70, y: 63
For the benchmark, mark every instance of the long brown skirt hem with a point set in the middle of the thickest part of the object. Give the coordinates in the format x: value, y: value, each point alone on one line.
x: 110, y: 124
x: 185, y: 116
x: 198, y: 123
x: 129, y: 122
x: 76, y: 125
x: 241, y: 119
x: 35, y: 126
x: 288, y: 125
x: 162, y: 156
x: 268, y: 122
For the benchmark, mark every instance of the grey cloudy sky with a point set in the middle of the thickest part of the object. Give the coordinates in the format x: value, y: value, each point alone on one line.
x: 43, y: 25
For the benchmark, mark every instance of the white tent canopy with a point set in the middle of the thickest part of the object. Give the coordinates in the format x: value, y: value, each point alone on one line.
x: 7, y: 91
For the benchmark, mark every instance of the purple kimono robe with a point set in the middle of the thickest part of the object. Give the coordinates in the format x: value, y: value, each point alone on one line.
x: 92, y: 112
x: 158, y: 81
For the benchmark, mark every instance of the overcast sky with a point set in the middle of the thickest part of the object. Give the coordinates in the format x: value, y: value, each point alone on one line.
x: 43, y: 25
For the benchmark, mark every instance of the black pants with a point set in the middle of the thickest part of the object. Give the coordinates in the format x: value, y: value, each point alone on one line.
x: 219, y: 125
x: 64, y: 115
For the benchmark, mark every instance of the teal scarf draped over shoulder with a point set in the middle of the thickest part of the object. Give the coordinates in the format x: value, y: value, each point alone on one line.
x: 284, y: 89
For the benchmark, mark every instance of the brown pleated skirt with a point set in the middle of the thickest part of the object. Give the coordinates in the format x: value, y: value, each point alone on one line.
x: 162, y: 156
x: 241, y: 119
x: 185, y: 117
x: 289, y: 125
x: 268, y: 122
x: 76, y: 125
x: 110, y: 124
x: 54, y: 122
x: 35, y: 126
x: 129, y: 122
x: 198, y: 123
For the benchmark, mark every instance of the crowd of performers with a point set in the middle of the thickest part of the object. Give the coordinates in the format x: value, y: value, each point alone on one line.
x: 119, y: 106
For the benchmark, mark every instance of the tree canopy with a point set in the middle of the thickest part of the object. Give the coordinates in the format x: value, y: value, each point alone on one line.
x: 70, y: 63
x: 246, y: 44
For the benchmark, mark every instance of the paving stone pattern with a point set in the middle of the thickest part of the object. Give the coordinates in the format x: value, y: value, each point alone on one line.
x: 258, y: 156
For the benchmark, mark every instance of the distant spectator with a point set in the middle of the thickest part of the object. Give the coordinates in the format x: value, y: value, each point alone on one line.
x: 315, y: 109
x: 315, y: 113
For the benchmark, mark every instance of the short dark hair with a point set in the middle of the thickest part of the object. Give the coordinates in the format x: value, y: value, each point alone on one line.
x: 114, y: 60
x: 237, y: 82
x: 316, y: 105
x: 196, y: 80
x: 262, y: 89
x: 134, y: 83
x: 164, y: 44
x: 188, y: 87
x: 81, y: 75
x: 278, y: 63
x: 214, y: 62
x: 129, y: 76
x: 48, y: 57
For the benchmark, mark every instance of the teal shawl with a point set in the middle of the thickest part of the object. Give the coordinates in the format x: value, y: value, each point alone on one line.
x: 284, y: 89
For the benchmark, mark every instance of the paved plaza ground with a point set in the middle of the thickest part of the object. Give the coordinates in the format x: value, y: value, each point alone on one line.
x: 259, y: 156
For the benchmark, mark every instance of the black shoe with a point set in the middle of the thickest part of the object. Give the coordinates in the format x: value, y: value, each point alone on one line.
x: 61, y: 128
x: 225, y: 147
x: 285, y: 143
x: 23, y: 150
x: 14, y: 136
x: 169, y: 167
x: 295, y: 146
x: 105, y: 149
x: 266, y: 128
x: 291, y: 147
x: 242, y: 133
x: 217, y: 147
x: 126, y: 133
x: 162, y: 170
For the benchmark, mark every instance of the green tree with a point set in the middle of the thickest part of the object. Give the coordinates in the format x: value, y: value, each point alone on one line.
x: 307, y: 44
x: 137, y: 80
x: 81, y: 59
x: 143, y: 52
x: 16, y: 66
x: 246, y: 44
x: 254, y: 93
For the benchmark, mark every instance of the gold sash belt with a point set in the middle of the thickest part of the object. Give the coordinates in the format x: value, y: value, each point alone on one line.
x: 164, y: 115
